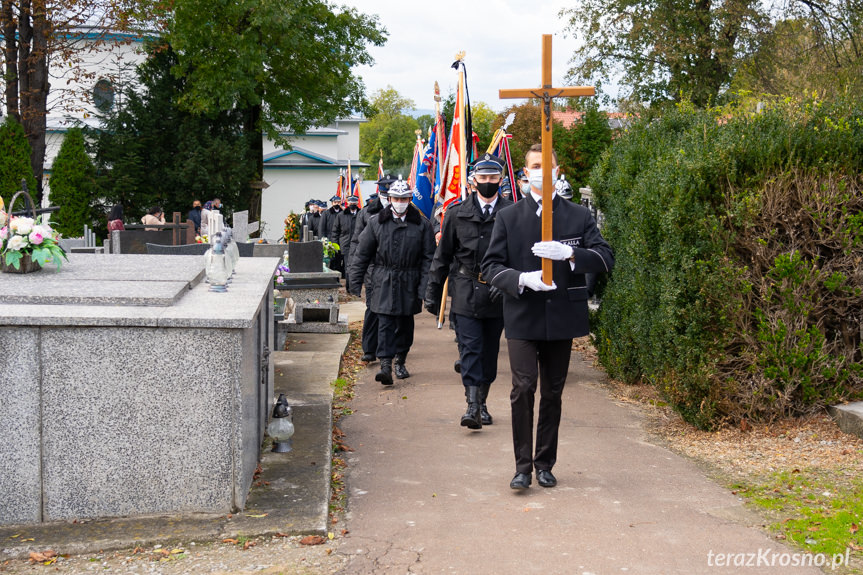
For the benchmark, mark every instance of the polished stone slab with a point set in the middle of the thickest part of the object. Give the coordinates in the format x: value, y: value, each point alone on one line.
x: 94, y: 279
x: 196, y: 306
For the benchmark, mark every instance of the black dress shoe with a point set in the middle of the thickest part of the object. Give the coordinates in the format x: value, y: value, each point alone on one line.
x: 520, y: 481
x: 545, y: 478
x: 368, y: 357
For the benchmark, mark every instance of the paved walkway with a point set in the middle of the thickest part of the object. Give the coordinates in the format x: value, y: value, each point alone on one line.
x: 428, y: 496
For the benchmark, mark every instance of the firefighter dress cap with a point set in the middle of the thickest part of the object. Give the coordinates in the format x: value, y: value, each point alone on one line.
x: 336, y: 200
x: 385, y: 183
x: 400, y: 189
x: 488, y: 164
x: 353, y: 200
x: 562, y: 188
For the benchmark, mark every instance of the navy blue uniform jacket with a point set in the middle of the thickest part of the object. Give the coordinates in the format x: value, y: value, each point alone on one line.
x: 551, y: 315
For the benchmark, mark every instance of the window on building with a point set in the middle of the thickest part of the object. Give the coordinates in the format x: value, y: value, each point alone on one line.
x: 103, y: 95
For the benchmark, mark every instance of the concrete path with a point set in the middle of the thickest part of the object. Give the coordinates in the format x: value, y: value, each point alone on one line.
x: 428, y: 496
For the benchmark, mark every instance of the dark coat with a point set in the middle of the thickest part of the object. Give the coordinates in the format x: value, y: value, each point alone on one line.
x: 552, y: 315
x: 402, y: 253
x: 195, y: 216
x: 328, y: 220
x: 373, y: 208
x: 463, y: 243
x: 315, y: 224
x: 343, y: 231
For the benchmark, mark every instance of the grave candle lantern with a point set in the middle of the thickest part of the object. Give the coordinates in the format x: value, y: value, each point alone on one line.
x: 281, y: 428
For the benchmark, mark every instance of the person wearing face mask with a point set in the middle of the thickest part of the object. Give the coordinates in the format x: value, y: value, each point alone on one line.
x: 541, y: 320
x: 343, y: 230
x: 523, y: 184
x: 476, y: 305
x: 400, y: 243
x: 195, y: 215
x: 370, y: 319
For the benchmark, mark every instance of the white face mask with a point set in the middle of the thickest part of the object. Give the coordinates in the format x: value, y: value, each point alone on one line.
x: 400, y: 207
x: 384, y: 201
x: 535, y: 177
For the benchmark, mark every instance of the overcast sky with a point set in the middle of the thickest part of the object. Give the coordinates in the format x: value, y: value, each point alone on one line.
x: 502, y: 41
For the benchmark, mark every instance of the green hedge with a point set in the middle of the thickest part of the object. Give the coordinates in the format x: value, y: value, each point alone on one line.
x: 738, y: 241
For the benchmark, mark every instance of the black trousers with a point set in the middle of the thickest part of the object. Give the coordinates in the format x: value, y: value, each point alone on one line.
x: 395, y: 335
x: 479, y: 346
x: 549, y: 362
x: 370, y: 331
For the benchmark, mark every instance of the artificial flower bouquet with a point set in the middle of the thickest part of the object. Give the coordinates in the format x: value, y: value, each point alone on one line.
x: 28, y: 241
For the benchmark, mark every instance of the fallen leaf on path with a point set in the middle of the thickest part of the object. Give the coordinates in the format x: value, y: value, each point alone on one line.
x: 312, y: 540
x: 257, y: 515
x: 43, y: 556
x: 331, y: 536
x: 248, y: 544
x: 853, y: 529
x: 232, y: 541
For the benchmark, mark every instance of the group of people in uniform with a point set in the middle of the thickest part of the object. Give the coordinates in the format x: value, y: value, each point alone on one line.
x: 490, y: 249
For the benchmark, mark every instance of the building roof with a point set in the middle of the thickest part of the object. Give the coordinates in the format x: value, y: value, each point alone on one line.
x: 302, y: 158
x: 569, y: 117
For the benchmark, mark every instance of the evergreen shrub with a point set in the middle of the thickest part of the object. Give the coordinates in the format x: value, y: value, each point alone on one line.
x: 738, y: 238
x: 73, y: 186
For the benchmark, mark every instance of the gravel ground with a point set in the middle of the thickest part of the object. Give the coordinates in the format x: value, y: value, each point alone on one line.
x: 265, y: 555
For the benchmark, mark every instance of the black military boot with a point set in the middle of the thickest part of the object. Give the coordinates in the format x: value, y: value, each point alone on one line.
x: 399, y: 367
x: 472, y: 418
x: 368, y: 357
x: 483, y: 394
x: 385, y: 375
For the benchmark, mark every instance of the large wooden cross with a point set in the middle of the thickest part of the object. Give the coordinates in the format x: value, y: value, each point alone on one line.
x: 546, y: 93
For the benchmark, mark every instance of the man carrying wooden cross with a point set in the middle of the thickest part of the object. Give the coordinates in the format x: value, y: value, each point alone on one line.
x: 541, y: 315
x: 541, y: 320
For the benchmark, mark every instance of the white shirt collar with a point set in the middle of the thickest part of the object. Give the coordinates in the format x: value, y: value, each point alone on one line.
x: 536, y: 197
x: 482, y: 204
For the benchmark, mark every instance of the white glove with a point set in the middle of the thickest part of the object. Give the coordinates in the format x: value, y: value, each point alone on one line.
x: 552, y: 250
x: 533, y: 280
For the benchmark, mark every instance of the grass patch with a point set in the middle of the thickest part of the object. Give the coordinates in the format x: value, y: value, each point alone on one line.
x: 816, y: 510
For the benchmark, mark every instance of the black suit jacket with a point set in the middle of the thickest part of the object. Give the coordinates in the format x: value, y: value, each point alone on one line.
x: 552, y: 315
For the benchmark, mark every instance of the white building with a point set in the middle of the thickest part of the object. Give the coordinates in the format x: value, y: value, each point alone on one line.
x: 309, y: 170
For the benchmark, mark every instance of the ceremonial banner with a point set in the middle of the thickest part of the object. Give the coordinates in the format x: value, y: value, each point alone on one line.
x: 455, y: 176
x: 428, y: 175
x: 415, y: 161
x: 357, y: 192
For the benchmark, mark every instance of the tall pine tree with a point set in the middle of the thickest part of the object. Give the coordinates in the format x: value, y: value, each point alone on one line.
x: 73, y: 186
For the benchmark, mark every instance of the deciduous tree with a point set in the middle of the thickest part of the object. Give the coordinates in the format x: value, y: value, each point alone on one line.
x: 666, y: 50
x: 286, y: 64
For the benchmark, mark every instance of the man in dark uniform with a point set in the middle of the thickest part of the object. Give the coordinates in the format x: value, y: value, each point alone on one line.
x: 328, y: 217
x: 370, y: 320
x: 540, y: 319
x: 479, y: 312
x: 306, y: 216
x: 328, y: 220
x: 343, y: 230
x: 400, y: 242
